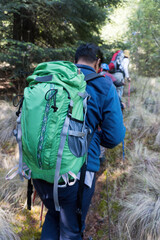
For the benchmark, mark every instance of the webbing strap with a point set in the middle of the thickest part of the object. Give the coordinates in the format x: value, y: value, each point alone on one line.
x: 26, y: 172
x: 85, y: 111
x: 74, y: 177
x: 19, y: 140
x: 66, y: 180
x: 59, y: 159
x: 85, y: 97
x: 18, y: 135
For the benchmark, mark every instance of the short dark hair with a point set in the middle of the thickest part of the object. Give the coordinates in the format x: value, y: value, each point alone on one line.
x: 88, y: 52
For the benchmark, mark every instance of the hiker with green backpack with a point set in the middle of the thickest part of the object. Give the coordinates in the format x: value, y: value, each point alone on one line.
x: 58, y: 124
x: 103, y: 108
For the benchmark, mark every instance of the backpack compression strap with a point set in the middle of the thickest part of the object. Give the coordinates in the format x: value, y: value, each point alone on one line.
x: 59, y: 157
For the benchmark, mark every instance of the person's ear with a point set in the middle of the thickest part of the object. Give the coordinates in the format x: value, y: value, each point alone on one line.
x: 97, y: 64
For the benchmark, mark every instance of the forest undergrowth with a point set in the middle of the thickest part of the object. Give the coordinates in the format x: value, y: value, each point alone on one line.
x: 126, y: 204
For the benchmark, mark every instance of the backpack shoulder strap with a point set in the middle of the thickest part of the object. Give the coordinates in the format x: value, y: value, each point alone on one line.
x: 92, y: 76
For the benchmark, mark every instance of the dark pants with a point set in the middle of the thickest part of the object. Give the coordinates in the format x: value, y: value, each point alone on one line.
x: 63, y: 225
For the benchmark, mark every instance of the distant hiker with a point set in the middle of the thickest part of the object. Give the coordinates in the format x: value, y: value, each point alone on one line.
x: 119, y: 68
x: 125, y: 65
x: 58, y: 122
x: 104, y: 71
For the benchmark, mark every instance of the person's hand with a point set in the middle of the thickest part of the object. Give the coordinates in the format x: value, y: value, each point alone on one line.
x: 123, y: 105
x: 128, y: 79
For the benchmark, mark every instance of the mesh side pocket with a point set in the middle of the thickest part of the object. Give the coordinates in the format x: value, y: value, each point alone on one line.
x: 77, y: 144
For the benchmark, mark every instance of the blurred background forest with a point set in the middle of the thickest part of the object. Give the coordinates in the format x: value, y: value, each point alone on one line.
x: 126, y: 205
x: 46, y: 30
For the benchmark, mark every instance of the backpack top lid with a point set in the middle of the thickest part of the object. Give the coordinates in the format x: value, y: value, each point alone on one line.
x: 115, y: 55
x: 62, y: 72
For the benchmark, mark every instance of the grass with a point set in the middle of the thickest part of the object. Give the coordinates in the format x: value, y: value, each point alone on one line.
x: 6, y: 231
x: 29, y: 228
x: 140, y: 217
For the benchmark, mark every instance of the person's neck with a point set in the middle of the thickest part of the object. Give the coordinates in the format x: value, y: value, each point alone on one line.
x: 86, y: 63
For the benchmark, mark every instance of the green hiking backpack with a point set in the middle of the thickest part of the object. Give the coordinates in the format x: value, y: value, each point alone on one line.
x: 51, y: 128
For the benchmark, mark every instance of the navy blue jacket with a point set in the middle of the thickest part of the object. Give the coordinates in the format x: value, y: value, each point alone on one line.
x: 103, y: 110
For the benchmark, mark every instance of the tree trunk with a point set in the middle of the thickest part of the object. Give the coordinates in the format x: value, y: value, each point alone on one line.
x: 17, y: 27
x: 23, y: 26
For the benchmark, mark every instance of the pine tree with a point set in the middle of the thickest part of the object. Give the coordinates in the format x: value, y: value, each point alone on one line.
x: 53, y: 22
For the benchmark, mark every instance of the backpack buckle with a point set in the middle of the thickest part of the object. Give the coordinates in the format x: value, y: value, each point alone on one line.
x: 70, y: 108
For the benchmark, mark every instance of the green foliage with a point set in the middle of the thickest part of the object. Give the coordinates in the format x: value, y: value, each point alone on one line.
x: 24, y: 56
x: 53, y: 22
x: 46, y: 30
x: 145, y: 37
